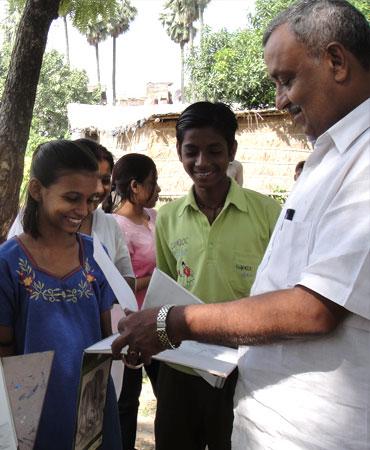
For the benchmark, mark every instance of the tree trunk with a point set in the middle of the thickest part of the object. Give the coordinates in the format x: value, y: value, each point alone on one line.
x: 182, y: 72
x: 67, y: 39
x: 114, y: 71
x: 18, y: 101
x: 97, y: 63
x: 200, y: 24
x: 191, y: 38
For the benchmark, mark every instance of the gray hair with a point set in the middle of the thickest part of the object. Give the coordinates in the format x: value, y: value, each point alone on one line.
x: 316, y: 23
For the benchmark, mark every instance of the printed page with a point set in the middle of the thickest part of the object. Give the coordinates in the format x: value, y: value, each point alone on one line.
x: 91, y: 400
x: 121, y: 289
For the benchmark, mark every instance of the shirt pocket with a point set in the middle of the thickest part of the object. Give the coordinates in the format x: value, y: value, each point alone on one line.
x: 243, y: 272
x: 296, y: 239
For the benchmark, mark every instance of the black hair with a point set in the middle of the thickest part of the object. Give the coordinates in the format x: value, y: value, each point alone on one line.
x: 133, y: 166
x: 100, y: 152
x: 206, y: 114
x: 299, y: 165
x: 50, y: 161
x: 316, y: 23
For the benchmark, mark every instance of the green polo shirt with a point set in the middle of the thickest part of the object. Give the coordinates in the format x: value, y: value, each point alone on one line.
x: 215, y: 262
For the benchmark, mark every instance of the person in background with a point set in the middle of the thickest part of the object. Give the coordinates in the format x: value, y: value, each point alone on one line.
x: 101, y: 222
x: 135, y: 195
x: 298, y: 170
x: 235, y: 170
x: 210, y: 242
x: 304, y: 377
x: 53, y: 296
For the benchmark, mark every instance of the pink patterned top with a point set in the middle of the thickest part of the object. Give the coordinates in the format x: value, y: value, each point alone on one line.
x: 141, y: 245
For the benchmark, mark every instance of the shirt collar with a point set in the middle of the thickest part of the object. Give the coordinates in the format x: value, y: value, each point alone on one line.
x: 346, y: 130
x: 235, y: 196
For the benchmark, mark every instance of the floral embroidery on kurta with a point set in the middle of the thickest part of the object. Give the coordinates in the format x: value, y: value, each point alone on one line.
x: 37, y: 289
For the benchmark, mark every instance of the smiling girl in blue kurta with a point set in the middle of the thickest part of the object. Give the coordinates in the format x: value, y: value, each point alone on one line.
x: 53, y: 296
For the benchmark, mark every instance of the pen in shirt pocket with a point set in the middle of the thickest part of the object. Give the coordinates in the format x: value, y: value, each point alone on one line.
x: 289, y: 214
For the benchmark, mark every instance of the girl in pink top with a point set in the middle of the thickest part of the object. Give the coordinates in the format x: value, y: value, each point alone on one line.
x: 141, y: 245
x: 136, y: 191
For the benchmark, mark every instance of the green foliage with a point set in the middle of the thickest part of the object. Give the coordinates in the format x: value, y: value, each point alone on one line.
x: 58, y: 86
x: 363, y: 6
x: 279, y: 194
x: 177, y: 20
x: 120, y: 22
x: 82, y: 12
x: 229, y: 67
x: 266, y: 10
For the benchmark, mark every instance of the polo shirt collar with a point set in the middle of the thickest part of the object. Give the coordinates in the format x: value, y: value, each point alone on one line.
x: 235, y: 196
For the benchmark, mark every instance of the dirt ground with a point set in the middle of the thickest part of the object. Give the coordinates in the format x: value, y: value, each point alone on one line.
x: 145, y: 426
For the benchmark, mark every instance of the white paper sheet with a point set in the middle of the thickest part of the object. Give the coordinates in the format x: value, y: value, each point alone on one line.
x: 104, y: 346
x: 210, y: 361
x: 163, y: 290
x: 213, y: 362
x: 121, y: 289
x: 8, y: 438
x: 214, y: 359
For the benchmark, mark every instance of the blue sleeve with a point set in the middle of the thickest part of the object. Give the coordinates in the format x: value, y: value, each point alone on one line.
x: 7, y: 295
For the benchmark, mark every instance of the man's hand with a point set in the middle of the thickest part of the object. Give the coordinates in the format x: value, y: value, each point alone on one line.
x: 138, y: 331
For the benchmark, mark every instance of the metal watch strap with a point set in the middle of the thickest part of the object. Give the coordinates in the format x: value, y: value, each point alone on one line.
x: 161, y: 327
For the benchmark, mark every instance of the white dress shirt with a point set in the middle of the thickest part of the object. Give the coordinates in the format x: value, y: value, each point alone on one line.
x: 315, y: 393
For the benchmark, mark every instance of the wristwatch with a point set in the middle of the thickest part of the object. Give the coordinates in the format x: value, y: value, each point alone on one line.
x: 161, y: 327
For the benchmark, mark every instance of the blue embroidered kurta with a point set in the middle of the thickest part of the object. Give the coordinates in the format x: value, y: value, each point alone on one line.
x: 60, y: 314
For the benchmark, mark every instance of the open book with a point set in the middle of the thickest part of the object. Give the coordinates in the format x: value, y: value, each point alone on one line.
x: 213, y: 362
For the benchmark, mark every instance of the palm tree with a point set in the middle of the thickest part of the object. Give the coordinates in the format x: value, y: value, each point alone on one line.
x: 202, y: 4
x: 96, y: 33
x: 177, y: 18
x: 67, y: 38
x: 119, y: 24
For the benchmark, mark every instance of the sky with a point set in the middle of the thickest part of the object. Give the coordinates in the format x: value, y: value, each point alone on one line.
x: 145, y: 53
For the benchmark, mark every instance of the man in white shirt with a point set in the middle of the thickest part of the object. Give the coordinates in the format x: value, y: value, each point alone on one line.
x: 304, y: 380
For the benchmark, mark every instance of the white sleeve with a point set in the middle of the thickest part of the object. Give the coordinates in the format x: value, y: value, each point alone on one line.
x: 16, y: 228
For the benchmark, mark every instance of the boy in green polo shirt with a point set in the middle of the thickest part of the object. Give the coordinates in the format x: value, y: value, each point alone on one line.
x: 211, y: 242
